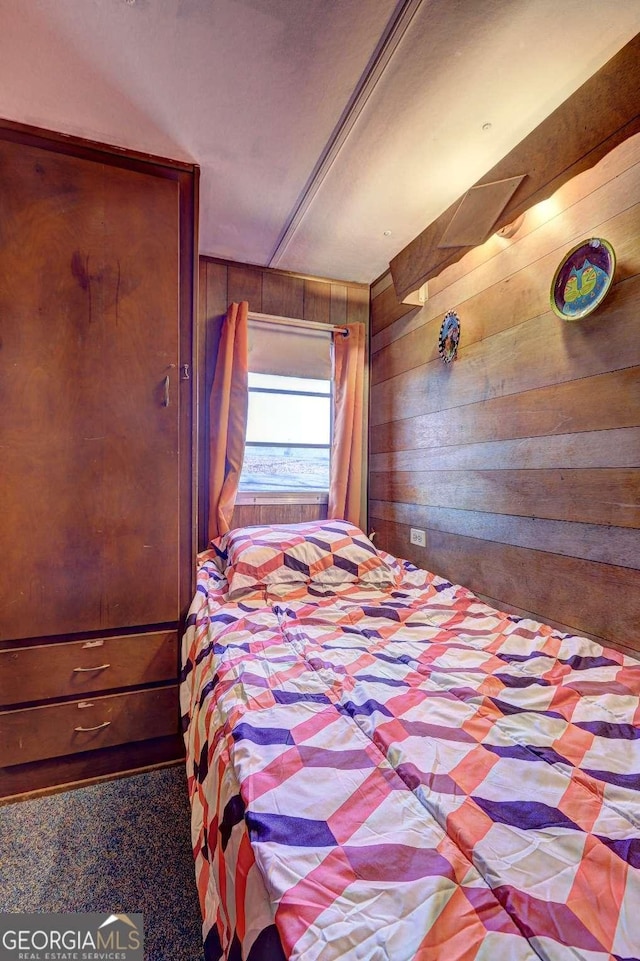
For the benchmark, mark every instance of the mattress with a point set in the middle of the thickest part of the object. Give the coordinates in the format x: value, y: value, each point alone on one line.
x: 406, y: 773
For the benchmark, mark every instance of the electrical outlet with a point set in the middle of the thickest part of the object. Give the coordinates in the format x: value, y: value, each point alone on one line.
x: 418, y: 537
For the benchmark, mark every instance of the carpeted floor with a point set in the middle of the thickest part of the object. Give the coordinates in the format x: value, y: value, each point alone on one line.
x: 117, y: 847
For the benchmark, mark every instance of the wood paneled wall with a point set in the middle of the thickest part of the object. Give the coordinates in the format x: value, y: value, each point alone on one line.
x: 268, y: 291
x: 521, y: 458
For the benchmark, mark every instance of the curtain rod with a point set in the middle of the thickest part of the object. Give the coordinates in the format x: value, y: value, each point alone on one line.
x: 296, y: 322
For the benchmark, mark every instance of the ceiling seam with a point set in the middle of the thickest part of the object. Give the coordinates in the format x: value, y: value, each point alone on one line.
x: 393, y: 33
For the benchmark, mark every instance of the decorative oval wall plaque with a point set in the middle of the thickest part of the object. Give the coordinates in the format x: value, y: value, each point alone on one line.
x: 449, y: 337
x: 583, y: 278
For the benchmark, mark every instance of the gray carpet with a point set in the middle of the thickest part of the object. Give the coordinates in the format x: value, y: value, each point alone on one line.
x: 118, y: 847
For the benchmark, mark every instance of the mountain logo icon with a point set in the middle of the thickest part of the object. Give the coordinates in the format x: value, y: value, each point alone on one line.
x: 118, y: 917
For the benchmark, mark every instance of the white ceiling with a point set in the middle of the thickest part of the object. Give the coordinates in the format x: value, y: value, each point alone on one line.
x: 253, y: 91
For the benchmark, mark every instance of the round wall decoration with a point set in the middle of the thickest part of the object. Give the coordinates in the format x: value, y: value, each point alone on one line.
x: 583, y: 278
x: 449, y: 337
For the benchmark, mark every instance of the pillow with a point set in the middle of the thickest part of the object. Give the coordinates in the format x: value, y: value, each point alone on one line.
x: 318, y: 552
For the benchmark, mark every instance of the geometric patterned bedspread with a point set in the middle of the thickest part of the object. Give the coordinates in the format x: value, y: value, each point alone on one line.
x: 408, y: 775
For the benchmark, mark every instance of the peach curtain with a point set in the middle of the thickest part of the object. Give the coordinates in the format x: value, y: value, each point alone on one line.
x: 228, y: 418
x: 345, y: 486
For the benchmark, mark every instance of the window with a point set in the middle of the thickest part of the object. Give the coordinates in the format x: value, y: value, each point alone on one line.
x: 288, y: 446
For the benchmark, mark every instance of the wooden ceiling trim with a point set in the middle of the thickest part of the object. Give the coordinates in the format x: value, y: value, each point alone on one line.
x: 601, y: 114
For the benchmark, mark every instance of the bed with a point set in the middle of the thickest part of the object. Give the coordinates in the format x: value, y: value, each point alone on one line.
x: 382, y: 767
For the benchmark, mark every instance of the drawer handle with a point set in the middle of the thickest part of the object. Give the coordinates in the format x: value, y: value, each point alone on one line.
x: 99, y: 667
x: 98, y: 727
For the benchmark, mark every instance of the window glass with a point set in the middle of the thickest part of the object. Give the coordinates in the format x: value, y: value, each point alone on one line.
x: 288, y: 447
x: 285, y: 469
x: 288, y: 419
x: 276, y: 382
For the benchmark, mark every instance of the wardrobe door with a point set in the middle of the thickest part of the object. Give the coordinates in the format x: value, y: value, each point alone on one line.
x: 93, y: 505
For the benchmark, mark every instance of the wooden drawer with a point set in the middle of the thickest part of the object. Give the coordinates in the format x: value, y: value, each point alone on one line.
x: 36, y: 733
x: 81, y: 667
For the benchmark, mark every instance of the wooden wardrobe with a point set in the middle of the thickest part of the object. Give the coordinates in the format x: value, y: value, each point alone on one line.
x: 97, y: 250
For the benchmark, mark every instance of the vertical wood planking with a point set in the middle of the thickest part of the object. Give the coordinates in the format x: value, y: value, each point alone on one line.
x: 282, y: 294
x: 520, y: 460
x: 358, y: 311
x: 245, y: 283
x: 357, y: 305
x: 338, y: 304
x: 317, y: 301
